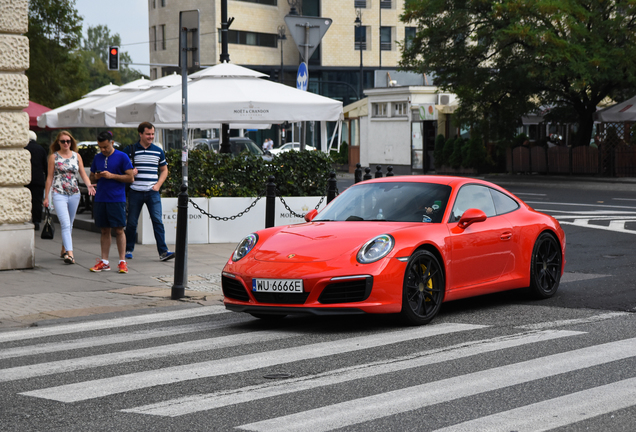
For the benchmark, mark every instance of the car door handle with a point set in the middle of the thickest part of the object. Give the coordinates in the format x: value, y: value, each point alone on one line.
x: 506, y: 236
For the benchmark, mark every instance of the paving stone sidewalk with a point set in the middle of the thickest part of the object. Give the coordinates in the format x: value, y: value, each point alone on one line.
x: 54, y: 290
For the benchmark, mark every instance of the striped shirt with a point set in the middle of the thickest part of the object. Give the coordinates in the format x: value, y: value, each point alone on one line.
x: 147, y: 161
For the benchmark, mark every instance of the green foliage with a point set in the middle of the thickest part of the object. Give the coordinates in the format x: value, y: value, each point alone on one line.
x: 505, y: 58
x: 62, y: 69
x: 55, y: 73
x: 223, y: 175
x: 438, y: 153
x: 456, y: 159
x: 475, y: 154
x: 449, y: 147
x: 342, y: 157
x: 519, y: 140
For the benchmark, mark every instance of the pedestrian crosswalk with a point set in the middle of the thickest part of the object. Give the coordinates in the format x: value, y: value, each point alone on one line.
x: 200, y: 362
x: 608, y: 218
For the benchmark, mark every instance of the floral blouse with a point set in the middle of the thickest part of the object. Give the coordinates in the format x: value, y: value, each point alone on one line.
x: 64, y: 179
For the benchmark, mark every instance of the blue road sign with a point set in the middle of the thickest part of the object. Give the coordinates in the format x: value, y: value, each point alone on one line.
x: 302, y: 78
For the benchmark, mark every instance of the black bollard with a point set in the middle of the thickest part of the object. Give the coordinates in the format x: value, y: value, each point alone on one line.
x: 367, y: 174
x: 332, y: 185
x: 270, y: 202
x: 180, y: 280
x: 389, y: 171
x: 358, y: 173
x: 378, y: 171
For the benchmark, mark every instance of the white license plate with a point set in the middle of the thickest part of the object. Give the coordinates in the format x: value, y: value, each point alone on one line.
x: 277, y: 285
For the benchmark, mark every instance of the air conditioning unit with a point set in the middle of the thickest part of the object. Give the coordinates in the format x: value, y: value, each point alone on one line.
x: 444, y: 99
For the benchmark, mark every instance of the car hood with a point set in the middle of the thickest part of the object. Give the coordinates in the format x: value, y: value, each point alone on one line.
x: 320, y: 241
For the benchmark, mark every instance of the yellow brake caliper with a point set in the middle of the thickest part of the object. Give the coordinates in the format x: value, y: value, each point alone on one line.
x: 429, y: 284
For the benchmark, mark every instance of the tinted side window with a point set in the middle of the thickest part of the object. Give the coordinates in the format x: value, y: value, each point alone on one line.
x: 473, y: 196
x: 503, y: 203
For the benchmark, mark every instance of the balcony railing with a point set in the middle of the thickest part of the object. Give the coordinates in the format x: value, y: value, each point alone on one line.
x: 361, y: 45
x: 360, y: 3
x: 386, y: 46
x: 386, y: 4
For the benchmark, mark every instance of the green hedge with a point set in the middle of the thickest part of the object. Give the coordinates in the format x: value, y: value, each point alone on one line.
x: 223, y: 175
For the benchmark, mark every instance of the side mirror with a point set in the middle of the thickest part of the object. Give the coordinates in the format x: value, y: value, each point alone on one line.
x: 311, y: 214
x: 471, y: 216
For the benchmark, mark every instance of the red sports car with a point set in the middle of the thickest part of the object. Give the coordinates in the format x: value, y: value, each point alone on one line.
x: 397, y: 245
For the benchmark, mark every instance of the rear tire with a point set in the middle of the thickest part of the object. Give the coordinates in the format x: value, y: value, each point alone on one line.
x: 423, y: 288
x: 545, y: 267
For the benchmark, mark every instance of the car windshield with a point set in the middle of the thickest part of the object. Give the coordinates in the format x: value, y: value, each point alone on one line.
x: 395, y: 201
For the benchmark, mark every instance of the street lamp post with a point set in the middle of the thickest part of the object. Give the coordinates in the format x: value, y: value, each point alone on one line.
x: 281, y: 37
x: 358, y: 23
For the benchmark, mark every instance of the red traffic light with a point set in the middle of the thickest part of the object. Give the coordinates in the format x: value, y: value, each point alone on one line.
x: 113, y: 58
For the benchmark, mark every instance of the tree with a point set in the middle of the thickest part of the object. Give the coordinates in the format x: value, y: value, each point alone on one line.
x: 56, y: 75
x: 95, y: 57
x: 505, y: 58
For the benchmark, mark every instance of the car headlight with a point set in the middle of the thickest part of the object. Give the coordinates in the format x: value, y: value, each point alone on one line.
x: 375, y: 249
x: 245, y: 246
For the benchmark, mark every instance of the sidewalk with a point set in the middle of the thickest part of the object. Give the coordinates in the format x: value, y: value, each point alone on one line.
x: 54, y: 290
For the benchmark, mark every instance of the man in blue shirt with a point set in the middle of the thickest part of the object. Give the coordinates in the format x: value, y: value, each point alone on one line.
x: 111, y: 169
x: 150, y: 170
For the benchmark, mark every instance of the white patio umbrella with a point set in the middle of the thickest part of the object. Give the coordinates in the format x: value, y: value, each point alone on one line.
x: 51, y: 119
x: 101, y: 112
x: 230, y: 94
x: 621, y: 112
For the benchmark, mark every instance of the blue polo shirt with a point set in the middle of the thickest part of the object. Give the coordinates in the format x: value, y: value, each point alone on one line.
x: 109, y: 190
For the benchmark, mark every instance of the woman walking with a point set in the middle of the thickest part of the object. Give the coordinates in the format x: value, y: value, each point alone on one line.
x: 64, y: 163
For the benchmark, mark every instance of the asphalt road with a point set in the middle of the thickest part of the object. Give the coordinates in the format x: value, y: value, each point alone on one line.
x: 499, y: 362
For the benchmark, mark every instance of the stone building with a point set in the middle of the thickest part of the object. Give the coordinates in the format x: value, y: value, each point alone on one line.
x: 255, y: 40
x: 16, y: 232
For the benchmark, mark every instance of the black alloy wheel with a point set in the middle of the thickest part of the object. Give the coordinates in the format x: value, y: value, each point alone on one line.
x: 545, y: 268
x: 423, y: 289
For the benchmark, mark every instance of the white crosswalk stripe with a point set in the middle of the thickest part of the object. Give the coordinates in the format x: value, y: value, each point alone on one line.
x: 409, y: 399
x: 120, y: 384
x: 557, y: 412
x: 156, y: 360
x: 216, y: 400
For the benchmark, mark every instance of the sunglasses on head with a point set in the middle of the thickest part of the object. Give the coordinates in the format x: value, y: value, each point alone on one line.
x: 65, y: 141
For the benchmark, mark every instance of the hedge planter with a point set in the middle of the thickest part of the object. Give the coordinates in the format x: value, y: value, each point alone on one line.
x: 204, y: 230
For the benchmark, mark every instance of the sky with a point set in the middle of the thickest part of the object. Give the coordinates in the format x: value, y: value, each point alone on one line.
x: 129, y: 18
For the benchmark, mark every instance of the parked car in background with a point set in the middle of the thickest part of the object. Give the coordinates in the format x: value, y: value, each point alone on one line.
x: 237, y: 146
x: 290, y: 146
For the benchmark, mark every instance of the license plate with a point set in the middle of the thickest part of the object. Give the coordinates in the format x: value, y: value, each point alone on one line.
x: 277, y: 285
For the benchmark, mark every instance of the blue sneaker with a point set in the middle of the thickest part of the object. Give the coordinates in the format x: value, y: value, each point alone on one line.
x: 166, y: 256
x: 128, y: 255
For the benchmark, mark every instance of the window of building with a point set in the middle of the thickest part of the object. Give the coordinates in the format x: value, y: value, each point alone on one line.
x: 163, y: 3
x: 251, y: 38
x: 153, y: 37
x: 386, y: 4
x: 361, y: 38
x: 379, y: 109
x: 154, y: 4
x: 385, y: 39
x: 409, y: 35
x: 360, y: 4
x: 400, y: 109
x: 163, y: 36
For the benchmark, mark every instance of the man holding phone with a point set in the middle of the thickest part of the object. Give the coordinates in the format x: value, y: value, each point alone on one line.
x: 111, y: 169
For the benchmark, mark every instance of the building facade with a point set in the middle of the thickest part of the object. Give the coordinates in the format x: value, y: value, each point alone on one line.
x: 16, y: 231
x: 256, y: 40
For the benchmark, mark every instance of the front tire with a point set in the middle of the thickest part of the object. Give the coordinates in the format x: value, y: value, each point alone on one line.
x: 423, y: 288
x: 545, y: 267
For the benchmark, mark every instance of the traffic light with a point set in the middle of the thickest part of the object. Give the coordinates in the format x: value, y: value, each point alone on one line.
x: 113, y: 58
